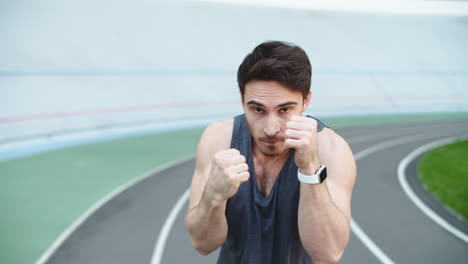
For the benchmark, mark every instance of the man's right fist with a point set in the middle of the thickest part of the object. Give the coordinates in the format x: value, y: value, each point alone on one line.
x: 228, y: 170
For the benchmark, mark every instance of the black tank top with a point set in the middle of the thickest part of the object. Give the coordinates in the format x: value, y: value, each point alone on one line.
x: 263, y: 229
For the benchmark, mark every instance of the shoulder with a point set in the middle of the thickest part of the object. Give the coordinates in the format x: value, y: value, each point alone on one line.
x: 332, y: 146
x: 219, y: 133
x: 216, y: 137
x: 224, y: 127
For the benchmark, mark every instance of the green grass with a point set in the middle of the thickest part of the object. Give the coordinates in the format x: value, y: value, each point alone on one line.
x: 444, y: 171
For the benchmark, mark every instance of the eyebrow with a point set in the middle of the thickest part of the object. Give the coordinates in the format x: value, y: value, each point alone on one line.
x: 287, y: 103
x: 253, y: 102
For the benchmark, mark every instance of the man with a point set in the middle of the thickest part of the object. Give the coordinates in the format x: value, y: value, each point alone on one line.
x: 272, y: 186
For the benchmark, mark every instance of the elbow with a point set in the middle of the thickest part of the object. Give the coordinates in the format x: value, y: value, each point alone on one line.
x: 205, y: 242
x: 198, y: 244
x: 328, y: 255
x: 335, y: 258
x: 330, y: 258
x: 327, y: 260
x: 206, y: 246
x: 203, y: 251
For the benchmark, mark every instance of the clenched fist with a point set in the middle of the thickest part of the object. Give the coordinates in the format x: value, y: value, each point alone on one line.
x: 301, y: 134
x: 228, y: 170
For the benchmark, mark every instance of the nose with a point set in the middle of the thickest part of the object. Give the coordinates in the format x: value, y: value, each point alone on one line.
x: 272, y: 125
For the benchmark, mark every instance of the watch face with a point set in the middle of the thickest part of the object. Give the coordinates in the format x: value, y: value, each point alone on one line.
x: 323, y: 174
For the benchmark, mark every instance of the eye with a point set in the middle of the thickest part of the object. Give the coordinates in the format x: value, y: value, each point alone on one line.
x: 285, y: 110
x: 258, y: 110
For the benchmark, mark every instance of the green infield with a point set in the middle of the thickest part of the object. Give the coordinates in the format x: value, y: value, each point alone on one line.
x: 444, y: 172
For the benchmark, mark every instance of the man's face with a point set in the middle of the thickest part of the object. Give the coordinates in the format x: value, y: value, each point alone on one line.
x: 268, y: 106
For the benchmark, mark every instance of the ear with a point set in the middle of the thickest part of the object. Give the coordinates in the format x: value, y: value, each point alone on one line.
x: 306, y: 101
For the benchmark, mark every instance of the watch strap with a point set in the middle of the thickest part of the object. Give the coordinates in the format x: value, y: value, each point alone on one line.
x: 317, y: 178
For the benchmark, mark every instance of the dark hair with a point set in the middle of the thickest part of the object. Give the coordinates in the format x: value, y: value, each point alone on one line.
x: 278, y: 61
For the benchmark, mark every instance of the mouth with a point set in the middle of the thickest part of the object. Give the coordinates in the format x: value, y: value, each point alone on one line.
x: 271, y: 141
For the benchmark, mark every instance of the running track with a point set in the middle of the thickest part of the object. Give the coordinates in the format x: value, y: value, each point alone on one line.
x: 126, y: 228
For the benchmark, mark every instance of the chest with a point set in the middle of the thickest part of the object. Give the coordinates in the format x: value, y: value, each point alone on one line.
x: 266, y: 175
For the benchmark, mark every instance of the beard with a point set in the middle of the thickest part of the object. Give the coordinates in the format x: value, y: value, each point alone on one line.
x: 271, y: 146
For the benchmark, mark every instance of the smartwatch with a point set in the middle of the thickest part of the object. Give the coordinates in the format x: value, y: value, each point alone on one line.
x: 319, y: 176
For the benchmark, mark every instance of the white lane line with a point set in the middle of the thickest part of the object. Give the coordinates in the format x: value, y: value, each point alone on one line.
x: 415, y: 199
x: 357, y: 230
x: 388, y: 144
x: 162, y: 238
x: 51, y: 250
x: 166, y: 229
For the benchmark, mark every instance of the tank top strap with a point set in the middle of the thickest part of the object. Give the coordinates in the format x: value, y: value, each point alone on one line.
x: 320, y: 124
x: 241, y: 136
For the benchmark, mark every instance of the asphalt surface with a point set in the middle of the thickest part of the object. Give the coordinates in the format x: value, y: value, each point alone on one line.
x: 125, y: 229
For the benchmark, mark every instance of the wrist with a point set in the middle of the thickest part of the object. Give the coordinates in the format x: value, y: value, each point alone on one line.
x: 213, y: 200
x: 311, y: 169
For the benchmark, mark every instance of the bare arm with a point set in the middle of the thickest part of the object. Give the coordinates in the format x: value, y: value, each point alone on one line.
x: 324, y: 209
x: 218, y: 174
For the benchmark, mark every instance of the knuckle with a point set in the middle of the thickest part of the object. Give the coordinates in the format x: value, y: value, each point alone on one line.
x: 312, y: 123
x: 243, y: 167
x: 242, y: 158
x: 235, y: 151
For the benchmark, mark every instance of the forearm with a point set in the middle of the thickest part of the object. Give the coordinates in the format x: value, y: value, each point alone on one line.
x: 323, y: 228
x: 207, y: 225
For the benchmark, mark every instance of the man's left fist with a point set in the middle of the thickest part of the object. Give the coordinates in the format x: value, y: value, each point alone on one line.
x: 301, y: 134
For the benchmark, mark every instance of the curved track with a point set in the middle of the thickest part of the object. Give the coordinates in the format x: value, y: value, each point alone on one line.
x: 125, y: 229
